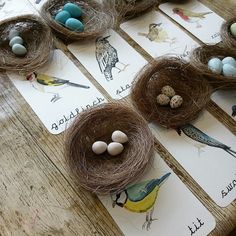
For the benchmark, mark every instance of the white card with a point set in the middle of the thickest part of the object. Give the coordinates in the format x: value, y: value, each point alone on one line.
x: 57, y: 106
x: 226, y: 100
x: 159, y: 36
x: 37, y: 3
x: 214, y: 169
x: 111, y: 61
x: 176, y: 210
x: 199, y: 20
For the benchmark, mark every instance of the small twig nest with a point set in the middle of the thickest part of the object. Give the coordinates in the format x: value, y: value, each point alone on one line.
x: 186, y: 82
x: 96, y: 19
x: 133, y: 8
x: 226, y: 35
x: 200, y: 58
x: 37, y: 38
x: 105, y: 174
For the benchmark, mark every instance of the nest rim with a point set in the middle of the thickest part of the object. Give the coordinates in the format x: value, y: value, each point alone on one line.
x: 104, y: 174
x: 37, y: 54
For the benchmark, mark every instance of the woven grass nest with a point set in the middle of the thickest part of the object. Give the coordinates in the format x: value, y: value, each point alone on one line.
x: 104, y: 174
x: 37, y: 38
x: 186, y: 82
x: 200, y: 57
x: 226, y: 35
x: 96, y: 18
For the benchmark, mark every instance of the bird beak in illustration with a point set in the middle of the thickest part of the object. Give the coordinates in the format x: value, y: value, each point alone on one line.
x: 107, y: 37
x: 176, y: 10
x: 122, y: 197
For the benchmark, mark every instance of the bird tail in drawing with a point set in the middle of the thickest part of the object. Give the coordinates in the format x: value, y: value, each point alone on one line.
x: 197, y: 135
x: 162, y: 179
x: 108, y: 74
x: 205, y: 13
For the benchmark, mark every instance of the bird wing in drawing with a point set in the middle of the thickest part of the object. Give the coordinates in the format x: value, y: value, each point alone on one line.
x: 197, y: 135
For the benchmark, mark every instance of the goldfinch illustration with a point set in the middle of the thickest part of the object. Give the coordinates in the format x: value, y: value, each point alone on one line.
x: 190, y: 16
x: 141, y: 197
x: 158, y: 34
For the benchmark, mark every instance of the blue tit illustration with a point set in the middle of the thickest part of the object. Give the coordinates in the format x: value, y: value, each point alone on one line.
x: 197, y: 135
x: 234, y: 110
x: 141, y: 198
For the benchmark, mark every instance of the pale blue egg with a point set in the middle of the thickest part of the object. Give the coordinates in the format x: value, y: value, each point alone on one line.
x: 229, y: 60
x: 19, y: 49
x: 233, y: 29
x: 229, y: 70
x: 14, y: 40
x: 13, y: 33
x: 215, y: 65
x: 62, y: 16
x: 74, y: 10
x: 74, y: 25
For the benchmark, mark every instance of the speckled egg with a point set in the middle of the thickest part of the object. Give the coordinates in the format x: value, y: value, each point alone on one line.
x: 215, y: 65
x: 74, y: 25
x: 99, y: 147
x: 229, y: 70
x: 233, y: 29
x: 19, y: 50
x: 74, y: 10
x: 119, y: 137
x: 176, y: 102
x: 163, y: 100
x: 168, y: 91
x: 62, y: 16
x: 229, y: 60
x: 115, y: 148
x: 14, y: 40
x: 13, y: 33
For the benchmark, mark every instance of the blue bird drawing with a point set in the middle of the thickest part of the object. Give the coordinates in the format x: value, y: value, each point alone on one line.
x: 141, y: 198
x: 234, y: 110
x: 197, y: 135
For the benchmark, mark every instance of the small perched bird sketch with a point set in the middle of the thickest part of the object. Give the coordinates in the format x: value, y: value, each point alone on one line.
x: 190, y: 16
x: 158, y: 34
x: 2, y: 4
x: 107, y: 58
x: 141, y: 198
x: 39, y: 81
x: 197, y: 135
x: 234, y: 110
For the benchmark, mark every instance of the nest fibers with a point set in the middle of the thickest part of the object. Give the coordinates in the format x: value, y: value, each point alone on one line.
x: 186, y: 82
x: 96, y: 17
x: 105, y: 174
x: 37, y: 38
x: 228, y: 39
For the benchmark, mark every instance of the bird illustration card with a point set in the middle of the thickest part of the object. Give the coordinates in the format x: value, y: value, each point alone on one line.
x: 207, y: 151
x: 226, y: 100
x: 58, y: 92
x: 111, y: 61
x: 155, y: 203
x: 199, y: 20
x: 159, y: 36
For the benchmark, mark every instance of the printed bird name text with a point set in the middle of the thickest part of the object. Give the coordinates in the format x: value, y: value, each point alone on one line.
x: 123, y: 88
x: 195, y: 226
x: 228, y: 188
x: 216, y: 35
x: 73, y: 114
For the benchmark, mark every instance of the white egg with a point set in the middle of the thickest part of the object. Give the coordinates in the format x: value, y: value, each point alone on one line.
x: 119, y: 137
x: 229, y: 60
x: 229, y: 70
x: 115, y: 148
x: 99, y: 147
x: 215, y: 65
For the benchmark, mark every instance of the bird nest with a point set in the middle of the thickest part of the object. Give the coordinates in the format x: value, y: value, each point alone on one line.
x: 132, y: 8
x: 37, y: 39
x: 199, y: 60
x: 105, y: 174
x: 96, y: 19
x: 228, y: 39
x: 186, y: 82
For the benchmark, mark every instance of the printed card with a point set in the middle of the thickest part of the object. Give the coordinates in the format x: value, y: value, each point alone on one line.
x: 207, y: 151
x: 111, y: 61
x: 199, y: 20
x: 58, y: 92
x: 226, y: 100
x: 37, y: 3
x: 159, y: 205
x: 159, y: 36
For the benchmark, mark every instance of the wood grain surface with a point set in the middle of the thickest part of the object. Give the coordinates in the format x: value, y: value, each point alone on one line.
x: 37, y: 193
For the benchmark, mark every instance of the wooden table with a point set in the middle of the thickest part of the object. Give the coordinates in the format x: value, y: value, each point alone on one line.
x: 37, y: 193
